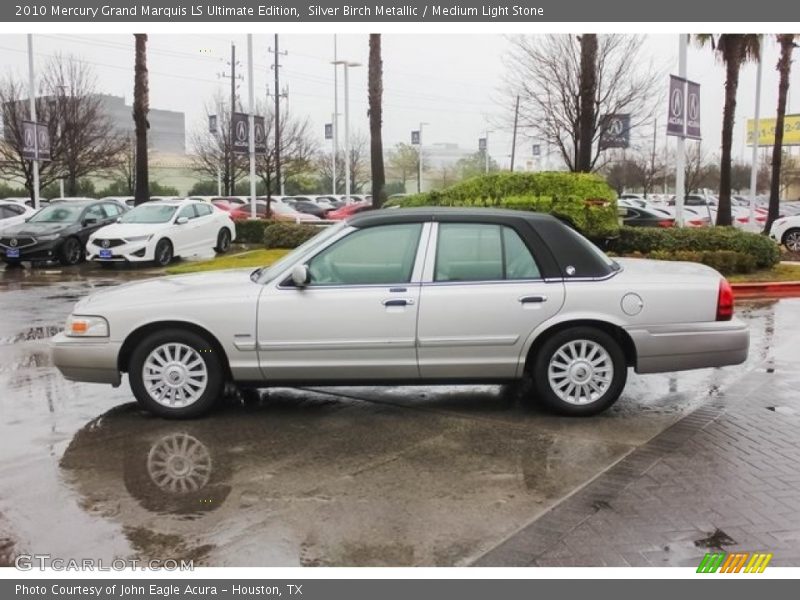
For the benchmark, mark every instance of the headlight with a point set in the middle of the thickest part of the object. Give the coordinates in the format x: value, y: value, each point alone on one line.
x: 139, y: 238
x: 48, y: 238
x: 80, y: 326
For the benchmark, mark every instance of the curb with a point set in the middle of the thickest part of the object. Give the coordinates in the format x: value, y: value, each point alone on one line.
x: 766, y: 289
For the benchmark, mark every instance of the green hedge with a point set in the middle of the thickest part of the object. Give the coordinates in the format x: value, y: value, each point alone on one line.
x: 583, y: 199
x: 649, y: 240
x: 726, y: 262
x: 287, y: 235
x: 250, y: 231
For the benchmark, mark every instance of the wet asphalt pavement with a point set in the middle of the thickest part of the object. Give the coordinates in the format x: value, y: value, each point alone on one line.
x: 333, y: 477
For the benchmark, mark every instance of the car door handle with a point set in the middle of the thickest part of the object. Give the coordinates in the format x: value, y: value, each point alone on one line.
x: 398, y: 302
x: 532, y: 299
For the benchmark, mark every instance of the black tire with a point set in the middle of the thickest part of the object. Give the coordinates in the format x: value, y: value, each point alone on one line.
x: 223, y: 241
x: 71, y: 252
x: 106, y: 265
x: 791, y: 239
x: 213, y: 364
x: 12, y: 264
x: 163, y: 253
x: 580, y: 368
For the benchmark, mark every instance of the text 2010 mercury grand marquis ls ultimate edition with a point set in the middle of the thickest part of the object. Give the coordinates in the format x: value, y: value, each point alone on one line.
x: 406, y: 297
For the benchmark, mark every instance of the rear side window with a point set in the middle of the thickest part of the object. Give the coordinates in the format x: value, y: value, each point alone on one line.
x: 482, y: 252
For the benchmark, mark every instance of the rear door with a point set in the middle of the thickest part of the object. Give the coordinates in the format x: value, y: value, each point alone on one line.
x: 482, y: 296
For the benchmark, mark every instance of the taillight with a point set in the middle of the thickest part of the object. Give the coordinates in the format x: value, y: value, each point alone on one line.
x: 724, y: 301
x: 696, y: 223
x: 743, y: 219
x: 666, y: 223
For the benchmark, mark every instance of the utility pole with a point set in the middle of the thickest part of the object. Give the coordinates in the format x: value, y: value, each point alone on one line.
x: 335, y: 119
x: 276, y: 67
x: 419, y: 162
x: 229, y: 156
x: 514, y: 136
x: 347, y: 65
x: 251, y: 121
x: 32, y: 99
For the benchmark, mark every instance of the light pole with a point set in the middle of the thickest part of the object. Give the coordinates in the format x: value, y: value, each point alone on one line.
x: 486, y: 150
x: 251, y: 130
x: 32, y: 99
x: 347, y: 65
x: 419, y: 162
x: 335, y: 119
x: 751, y: 222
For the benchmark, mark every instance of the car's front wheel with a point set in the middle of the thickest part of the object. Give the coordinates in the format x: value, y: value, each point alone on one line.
x: 580, y: 371
x: 163, y: 253
x: 176, y: 374
x: 223, y: 241
x: 791, y: 239
x: 71, y: 252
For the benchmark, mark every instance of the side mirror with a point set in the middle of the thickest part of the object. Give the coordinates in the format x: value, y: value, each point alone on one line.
x: 300, y: 276
x: 182, y: 220
x: 119, y: 219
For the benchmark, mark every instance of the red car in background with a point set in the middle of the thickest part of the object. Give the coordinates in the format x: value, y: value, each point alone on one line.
x: 280, y: 212
x: 347, y: 211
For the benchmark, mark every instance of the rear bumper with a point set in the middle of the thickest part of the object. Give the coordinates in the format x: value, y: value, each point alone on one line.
x: 94, y: 360
x: 684, y: 346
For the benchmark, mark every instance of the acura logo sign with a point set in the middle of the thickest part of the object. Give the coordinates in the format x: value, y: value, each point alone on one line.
x: 13, y: 242
x: 106, y: 243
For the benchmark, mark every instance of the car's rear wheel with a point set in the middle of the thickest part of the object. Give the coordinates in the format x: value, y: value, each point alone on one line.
x: 163, y: 253
x: 71, y: 252
x: 791, y: 239
x: 223, y: 241
x: 580, y: 371
x: 176, y: 374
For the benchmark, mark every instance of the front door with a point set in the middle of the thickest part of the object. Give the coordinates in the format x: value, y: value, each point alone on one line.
x: 482, y: 296
x: 356, y: 319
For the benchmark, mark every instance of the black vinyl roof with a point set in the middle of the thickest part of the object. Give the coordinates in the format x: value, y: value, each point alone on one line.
x: 445, y: 214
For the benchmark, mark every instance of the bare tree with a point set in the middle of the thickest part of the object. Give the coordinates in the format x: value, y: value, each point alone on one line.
x: 359, y: 167
x: 555, y: 77
x: 403, y: 162
x: 83, y: 138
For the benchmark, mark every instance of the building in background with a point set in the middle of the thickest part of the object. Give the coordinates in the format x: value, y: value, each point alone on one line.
x: 167, y: 133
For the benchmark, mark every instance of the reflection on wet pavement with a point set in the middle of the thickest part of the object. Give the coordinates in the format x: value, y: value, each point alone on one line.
x: 345, y: 476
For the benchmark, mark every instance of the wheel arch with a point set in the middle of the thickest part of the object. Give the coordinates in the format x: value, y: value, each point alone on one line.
x: 616, y: 331
x: 137, y: 335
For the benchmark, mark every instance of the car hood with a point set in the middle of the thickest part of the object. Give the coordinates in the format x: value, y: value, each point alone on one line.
x: 35, y: 229
x: 645, y: 269
x: 127, y: 230
x: 170, y: 291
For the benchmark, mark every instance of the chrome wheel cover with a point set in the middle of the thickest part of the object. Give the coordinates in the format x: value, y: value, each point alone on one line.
x: 179, y: 463
x: 793, y: 241
x: 175, y: 375
x: 580, y: 372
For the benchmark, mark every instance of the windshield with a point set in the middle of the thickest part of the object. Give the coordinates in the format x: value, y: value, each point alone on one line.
x: 58, y: 213
x: 160, y: 213
x: 267, y: 274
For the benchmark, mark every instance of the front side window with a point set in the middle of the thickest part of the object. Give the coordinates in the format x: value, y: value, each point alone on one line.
x: 96, y: 212
x: 482, y: 252
x: 187, y: 211
x: 203, y: 210
x: 372, y: 256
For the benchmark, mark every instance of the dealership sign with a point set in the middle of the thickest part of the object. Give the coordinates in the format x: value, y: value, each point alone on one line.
x: 35, y: 141
x: 240, y: 127
x: 767, y: 127
x: 616, y: 132
x: 683, y: 113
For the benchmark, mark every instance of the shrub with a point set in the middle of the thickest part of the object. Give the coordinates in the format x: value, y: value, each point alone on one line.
x: 647, y: 240
x: 583, y: 199
x: 726, y: 262
x: 287, y: 235
x: 250, y: 231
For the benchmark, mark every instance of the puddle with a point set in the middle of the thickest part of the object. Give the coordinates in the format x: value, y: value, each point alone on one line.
x: 41, y: 332
x: 717, y: 540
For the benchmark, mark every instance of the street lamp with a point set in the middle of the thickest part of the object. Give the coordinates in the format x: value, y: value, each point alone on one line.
x: 346, y: 64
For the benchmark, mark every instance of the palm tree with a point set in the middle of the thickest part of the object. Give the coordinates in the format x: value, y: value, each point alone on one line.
x: 733, y: 49
x: 141, y: 106
x: 375, y: 93
x: 786, y: 41
x: 587, y: 91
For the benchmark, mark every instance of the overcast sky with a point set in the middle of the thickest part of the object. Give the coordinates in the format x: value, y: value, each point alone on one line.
x: 452, y: 82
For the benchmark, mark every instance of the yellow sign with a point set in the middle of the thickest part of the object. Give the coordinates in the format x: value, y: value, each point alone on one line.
x: 766, y: 131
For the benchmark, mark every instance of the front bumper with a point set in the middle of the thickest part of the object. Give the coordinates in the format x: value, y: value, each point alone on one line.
x: 131, y: 252
x: 87, y: 359
x: 684, y: 346
x: 41, y: 251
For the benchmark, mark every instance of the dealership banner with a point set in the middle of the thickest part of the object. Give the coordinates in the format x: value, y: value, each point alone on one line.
x: 766, y: 131
x: 693, y: 110
x: 617, y: 131
x: 321, y: 11
x: 676, y: 109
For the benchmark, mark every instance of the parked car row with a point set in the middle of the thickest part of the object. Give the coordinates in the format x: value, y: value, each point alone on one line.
x: 107, y: 231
